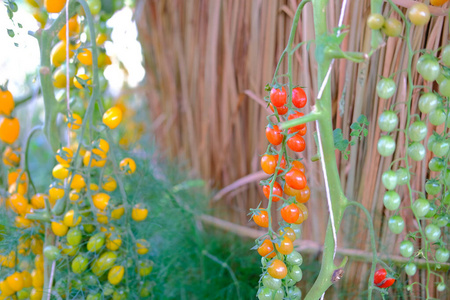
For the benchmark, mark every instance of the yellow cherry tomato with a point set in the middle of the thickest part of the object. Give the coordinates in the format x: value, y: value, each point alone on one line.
x: 112, y: 117
x: 36, y: 294
x: 22, y: 222
x: 128, y: 165
x: 139, y: 213
x: 58, y: 53
x: 54, y: 6
x: 24, y: 246
x: 37, y: 278
x: 115, y: 275
x: 18, y: 203
x: 64, y: 156
x: 38, y: 201
x: 85, y: 57
x: 69, y: 219
x: 142, y: 246
x: 78, y: 84
x: 37, y: 245
x: 101, y: 200
x: 74, y: 122
x: 60, y: 172
x: 6, y: 289
x: 11, y: 158
x: 74, y: 28
x: 27, y: 280
x: 15, y: 281
x: 6, y: 103
x: 113, y: 243
x: 117, y: 213
x: 145, y: 267
x: 101, y: 38
x: 109, y: 184
x: 78, y: 182
x: 8, y: 261
x: 9, y: 130
x: 102, y: 218
x: 74, y: 196
x: 69, y: 250
x: 59, y: 228
x: 55, y: 193
x: 100, y: 147
x: 94, y: 162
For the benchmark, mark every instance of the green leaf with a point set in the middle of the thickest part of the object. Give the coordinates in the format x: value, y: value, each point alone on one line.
x: 354, y: 133
x: 355, y: 126
x: 11, y: 33
x: 20, y: 25
x: 365, y: 132
x: 362, y: 119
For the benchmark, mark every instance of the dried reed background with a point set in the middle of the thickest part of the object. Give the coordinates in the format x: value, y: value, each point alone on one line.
x: 207, y: 63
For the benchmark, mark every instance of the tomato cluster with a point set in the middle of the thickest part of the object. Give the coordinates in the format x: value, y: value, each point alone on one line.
x: 429, y: 207
x: 82, y: 223
x: 286, y: 185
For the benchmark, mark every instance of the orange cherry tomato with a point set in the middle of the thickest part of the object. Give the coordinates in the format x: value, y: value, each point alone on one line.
x: 298, y: 165
x: 274, y: 135
x: 54, y: 6
x: 296, y: 143
x: 299, y: 97
x: 9, y: 130
x: 74, y: 28
x: 85, y: 57
x: 285, y: 246
x: 304, y: 195
x: 295, y: 116
x: 266, y: 249
x: 261, y: 218
x: 290, y: 213
x: 277, y: 269
x: 288, y: 232
x: 277, y: 191
x: 278, y: 97
x: 296, y: 179
x: 6, y: 102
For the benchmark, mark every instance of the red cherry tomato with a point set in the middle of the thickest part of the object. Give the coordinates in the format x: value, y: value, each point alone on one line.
x: 298, y: 165
x: 290, y: 213
x: 380, y: 279
x: 295, y: 116
x: 269, y: 163
x: 281, y: 110
x: 296, y: 143
x: 278, y: 97
x: 277, y: 191
x: 299, y: 97
x: 274, y: 135
x: 296, y: 179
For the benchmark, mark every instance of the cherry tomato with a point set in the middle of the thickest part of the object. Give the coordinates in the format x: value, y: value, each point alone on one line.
x: 94, y: 6
x: 391, y: 200
x: 74, y: 28
x: 294, y: 258
x: 406, y: 248
x: 295, y: 116
x: 386, y: 145
x: 11, y: 158
x: 416, y: 151
x: 437, y: 116
x: 428, y: 66
x: 438, y: 2
x: 296, y: 179
x: 446, y: 55
x: 442, y: 255
x: 386, y: 88
x: 127, y: 165
x: 419, y: 14
x: 115, y: 275
x: 277, y: 269
x: 139, y: 212
x: 440, y: 147
x: 6, y: 102
x: 54, y: 6
x: 277, y: 191
x: 436, y: 164
x: 432, y: 232
x: 78, y: 84
x: 440, y: 287
x: 74, y: 236
x: 58, y: 53
x: 274, y: 135
x: 417, y: 131
x: 285, y: 246
x: 389, y: 179
x: 281, y: 110
x: 51, y: 252
x: 270, y: 282
x: 304, y: 210
x: 290, y: 213
x: 266, y: 249
x: 269, y: 163
x: 9, y: 130
x: 432, y: 187
x: 64, y: 156
x: 69, y: 219
x: 304, y: 195
x: 85, y: 57
x: 396, y: 224
x: 299, y: 97
x: 101, y: 200
x: 18, y: 203
x: 428, y: 102
x: 278, y: 97
x: 261, y: 218
x: 79, y: 264
x: 96, y: 242
x: 296, y: 143
x: 375, y: 21
x: 15, y: 281
x: 59, y: 228
x: 60, y: 172
x: 298, y: 165
x: 112, y: 117
x: 392, y: 27
x: 288, y: 232
x: 380, y: 279
x: 142, y: 246
x: 74, y: 122
x: 388, y: 121
x: 411, y: 269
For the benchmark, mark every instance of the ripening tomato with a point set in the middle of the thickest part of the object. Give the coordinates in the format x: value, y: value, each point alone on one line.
x: 74, y: 28
x: 117, y: 213
x: 74, y: 122
x: 392, y: 27
x: 277, y: 191
x: 375, y: 21
x: 85, y: 57
x: 84, y: 77
x: 139, y: 212
x: 299, y: 97
x: 281, y: 110
x: 438, y: 2
x: 113, y: 243
x: 6, y: 102
x: 18, y: 203
x: 60, y: 172
x: 261, y: 218
x: 9, y: 130
x: 269, y: 163
x: 266, y: 249
x: 419, y: 14
x: 285, y: 246
x: 296, y: 143
x: 295, y: 116
x: 115, y: 275
x: 100, y: 200
x: 304, y: 195
x: 127, y: 165
x: 112, y: 117
x: 380, y: 279
x: 277, y: 269
x: 274, y: 135
x: 296, y: 179
x: 290, y: 213
x: 109, y: 184
x: 11, y: 158
x: 58, y: 54
x: 69, y: 219
x: 278, y: 97
x: 288, y: 232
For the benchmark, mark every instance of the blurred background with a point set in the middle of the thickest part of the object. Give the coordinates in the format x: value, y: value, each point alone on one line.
x: 199, y: 69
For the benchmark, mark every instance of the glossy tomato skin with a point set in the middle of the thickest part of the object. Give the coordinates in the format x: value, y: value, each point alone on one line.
x: 112, y: 117
x: 277, y: 269
x: 6, y: 102
x: 386, y: 145
x: 268, y: 163
x: 392, y: 27
x: 299, y: 97
x: 278, y: 97
x: 9, y: 130
x: 281, y: 110
x: 290, y: 213
x: 419, y: 14
x: 380, y: 279
x: 386, y: 88
x: 277, y: 191
x: 296, y: 143
x: 375, y: 21
x: 285, y: 246
x: 296, y: 179
x: 261, y: 218
x: 274, y: 135
x: 295, y: 116
x: 388, y: 121
x: 266, y: 249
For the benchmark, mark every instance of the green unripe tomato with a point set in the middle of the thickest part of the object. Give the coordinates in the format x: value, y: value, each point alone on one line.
x: 389, y: 179
x: 432, y: 232
x: 388, y: 121
x: 296, y: 273
x: 436, y: 164
x: 446, y: 55
x: 402, y: 176
x: 386, y: 88
x: 79, y: 264
x: 392, y: 27
x: 441, y: 287
x: 442, y: 255
x: 51, y: 253
x: 406, y: 248
x: 428, y: 66
x: 375, y: 21
x: 265, y: 293
x: 416, y: 151
x: 386, y: 145
x: 417, y: 131
x: 294, y: 293
x: 444, y: 87
x: 411, y: 269
x: 270, y: 282
x: 74, y: 236
x: 419, y: 14
x: 441, y: 147
x: 391, y: 200
x: 437, y: 116
x: 432, y: 187
x: 96, y: 242
x: 396, y: 224
x: 428, y: 102
x: 294, y: 258
x: 421, y: 207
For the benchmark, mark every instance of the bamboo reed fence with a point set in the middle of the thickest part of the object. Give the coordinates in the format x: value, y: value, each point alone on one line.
x: 207, y: 63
